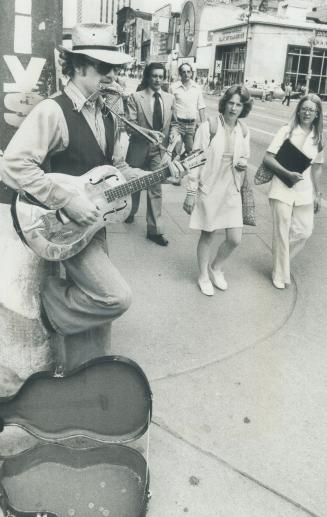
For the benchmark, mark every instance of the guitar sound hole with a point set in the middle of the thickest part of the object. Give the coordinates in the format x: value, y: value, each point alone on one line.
x: 118, y: 209
x: 101, y: 180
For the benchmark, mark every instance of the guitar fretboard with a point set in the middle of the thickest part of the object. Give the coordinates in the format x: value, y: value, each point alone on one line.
x: 141, y: 183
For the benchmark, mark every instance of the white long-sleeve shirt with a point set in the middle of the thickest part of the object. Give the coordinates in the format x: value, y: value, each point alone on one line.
x: 44, y: 133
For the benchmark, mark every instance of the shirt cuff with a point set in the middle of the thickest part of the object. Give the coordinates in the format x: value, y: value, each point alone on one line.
x: 59, y: 197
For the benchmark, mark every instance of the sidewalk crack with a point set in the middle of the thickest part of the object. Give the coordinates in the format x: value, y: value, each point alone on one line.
x: 162, y: 426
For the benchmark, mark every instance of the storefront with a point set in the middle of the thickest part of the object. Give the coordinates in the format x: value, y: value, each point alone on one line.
x: 270, y: 48
x: 230, y: 55
x: 297, y: 64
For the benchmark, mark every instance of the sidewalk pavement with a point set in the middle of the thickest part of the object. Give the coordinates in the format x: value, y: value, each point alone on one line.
x: 239, y: 382
x: 239, y: 379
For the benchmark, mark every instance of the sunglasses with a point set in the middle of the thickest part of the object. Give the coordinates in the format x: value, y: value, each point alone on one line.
x: 103, y: 68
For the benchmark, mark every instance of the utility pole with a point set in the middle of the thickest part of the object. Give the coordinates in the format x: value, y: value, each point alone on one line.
x: 248, y: 15
x: 312, y: 42
x: 79, y: 11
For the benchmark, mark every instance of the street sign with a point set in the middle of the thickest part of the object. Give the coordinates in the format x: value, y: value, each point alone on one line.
x: 218, y: 67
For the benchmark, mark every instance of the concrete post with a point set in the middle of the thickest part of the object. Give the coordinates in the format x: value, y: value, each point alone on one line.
x: 29, y: 32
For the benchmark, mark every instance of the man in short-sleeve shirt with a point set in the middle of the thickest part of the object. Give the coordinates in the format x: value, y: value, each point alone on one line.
x: 189, y: 106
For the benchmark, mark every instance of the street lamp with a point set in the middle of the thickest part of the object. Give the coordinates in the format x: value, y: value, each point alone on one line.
x: 312, y: 42
x: 248, y: 14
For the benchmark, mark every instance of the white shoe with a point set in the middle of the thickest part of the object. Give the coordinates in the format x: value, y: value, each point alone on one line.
x: 218, y: 279
x: 206, y: 287
x: 278, y: 285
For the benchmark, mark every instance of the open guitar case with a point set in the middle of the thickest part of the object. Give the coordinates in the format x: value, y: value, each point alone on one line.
x: 107, y: 400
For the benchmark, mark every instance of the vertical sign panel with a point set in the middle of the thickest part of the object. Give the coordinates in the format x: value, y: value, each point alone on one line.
x: 30, y: 30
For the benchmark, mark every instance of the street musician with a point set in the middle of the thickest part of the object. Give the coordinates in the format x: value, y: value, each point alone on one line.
x: 68, y: 133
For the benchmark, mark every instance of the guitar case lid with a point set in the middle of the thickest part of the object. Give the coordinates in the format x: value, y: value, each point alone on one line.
x: 107, y: 399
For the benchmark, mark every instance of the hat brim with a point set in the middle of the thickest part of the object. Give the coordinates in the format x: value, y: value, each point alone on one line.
x: 112, y: 57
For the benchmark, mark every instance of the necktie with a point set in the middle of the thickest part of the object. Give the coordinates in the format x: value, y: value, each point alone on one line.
x: 157, y: 113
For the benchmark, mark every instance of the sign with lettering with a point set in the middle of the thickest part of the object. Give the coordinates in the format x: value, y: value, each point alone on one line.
x: 29, y: 32
x: 231, y: 36
x: 160, y: 29
x: 218, y: 66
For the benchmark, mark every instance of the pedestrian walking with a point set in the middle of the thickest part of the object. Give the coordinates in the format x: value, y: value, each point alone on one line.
x: 293, y: 207
x: 288, y: 92
x: 272, y: 89
x: 213, y: 192
x: 189, y: 106
x: 152, y: 109
x: 265, y: 91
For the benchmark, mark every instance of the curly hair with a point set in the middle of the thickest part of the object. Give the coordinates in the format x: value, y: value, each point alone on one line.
x: 69, y: 62
x: 246, y: 100
x: 317, y: 124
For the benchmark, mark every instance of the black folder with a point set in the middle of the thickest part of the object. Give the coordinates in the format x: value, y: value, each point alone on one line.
x: 292, y: 158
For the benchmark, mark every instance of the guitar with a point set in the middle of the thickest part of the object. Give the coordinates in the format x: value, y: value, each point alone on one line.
x: 53, y: 236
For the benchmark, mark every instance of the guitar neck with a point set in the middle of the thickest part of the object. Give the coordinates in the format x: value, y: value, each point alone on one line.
x: 142, y: 183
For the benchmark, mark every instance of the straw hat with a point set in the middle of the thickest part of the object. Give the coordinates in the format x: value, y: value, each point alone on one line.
x: 96, y: 40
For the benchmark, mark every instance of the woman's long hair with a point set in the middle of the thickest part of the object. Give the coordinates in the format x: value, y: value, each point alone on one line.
x: 245, y: 97
x: 317, y: 124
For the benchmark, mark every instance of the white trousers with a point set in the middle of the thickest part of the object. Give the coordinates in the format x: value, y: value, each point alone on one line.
x: 292, y: 226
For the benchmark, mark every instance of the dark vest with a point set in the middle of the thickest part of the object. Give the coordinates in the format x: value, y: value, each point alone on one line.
x: 83, y: 151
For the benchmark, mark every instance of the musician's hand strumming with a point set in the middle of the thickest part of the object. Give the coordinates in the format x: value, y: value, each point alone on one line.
x: 81, y: 210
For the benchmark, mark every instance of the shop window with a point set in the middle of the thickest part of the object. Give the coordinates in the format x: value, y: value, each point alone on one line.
x: 316, y: 65
x: 323, y: 86
x: 295, y: 50
x: 314, y: 84
x: 304, y: 65
x: 297, y: 68
x: 232, y: 65
x: 292, y: 63
x: 324, y: 68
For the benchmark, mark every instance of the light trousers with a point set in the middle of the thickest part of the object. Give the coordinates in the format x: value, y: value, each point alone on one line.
x: 292, y: 227
x: 93, y: 293
x: 187, y: 132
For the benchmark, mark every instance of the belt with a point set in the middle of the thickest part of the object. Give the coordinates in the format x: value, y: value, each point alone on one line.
x: 186, y: 120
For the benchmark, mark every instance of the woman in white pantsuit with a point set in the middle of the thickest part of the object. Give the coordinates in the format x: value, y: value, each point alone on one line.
x: 213, y: 191
x: 293, y: 208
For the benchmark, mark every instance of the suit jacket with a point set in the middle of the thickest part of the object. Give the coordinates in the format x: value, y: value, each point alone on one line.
x: 139, y: 110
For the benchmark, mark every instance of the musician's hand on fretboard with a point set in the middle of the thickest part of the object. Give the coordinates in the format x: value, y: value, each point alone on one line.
x: 156, y: 135
x: 177, y: 171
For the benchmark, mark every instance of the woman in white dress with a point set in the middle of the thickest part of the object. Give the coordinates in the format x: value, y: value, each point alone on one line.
x: 213, y: 191
x: 293, y: 207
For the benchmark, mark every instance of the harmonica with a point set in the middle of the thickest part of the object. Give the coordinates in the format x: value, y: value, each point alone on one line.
x: 109, y: 89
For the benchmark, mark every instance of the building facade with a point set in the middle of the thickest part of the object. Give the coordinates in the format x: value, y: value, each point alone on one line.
x: 165, y: 37
x: 86, y: 11
x: 244, y: 52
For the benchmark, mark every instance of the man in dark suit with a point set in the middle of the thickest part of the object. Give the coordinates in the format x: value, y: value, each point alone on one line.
x: 152, y: 109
